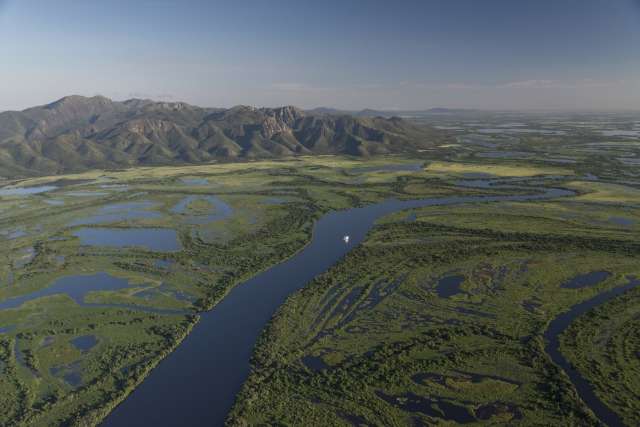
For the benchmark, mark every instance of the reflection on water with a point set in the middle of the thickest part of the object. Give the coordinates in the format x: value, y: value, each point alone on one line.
x: 155, y: 239
x: 84, y: 342
x: 77, y: 287
x: 194, y: 181
x: 26, y: 191
x: 86, y: 194
x: 120, y: 212
x: 586, y: 280
x: 449, y: 286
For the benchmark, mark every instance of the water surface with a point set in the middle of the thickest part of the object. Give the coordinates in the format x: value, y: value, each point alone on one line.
x: 84, y: 342
x: 26, y: 191
x: 154, y: 239
x: 552, y: 338
x: 196, y: 384
x: 118, y: 212
x: 449, y: 286
x: 586, y: 280
x: 77, y: 287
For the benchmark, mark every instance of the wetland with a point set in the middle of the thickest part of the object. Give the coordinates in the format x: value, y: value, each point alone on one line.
x: 475, y: 287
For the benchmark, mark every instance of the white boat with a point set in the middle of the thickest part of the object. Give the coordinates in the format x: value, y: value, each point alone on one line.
x: 346, y: 239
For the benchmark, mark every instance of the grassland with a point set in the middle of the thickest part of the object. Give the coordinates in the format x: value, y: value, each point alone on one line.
x: 501, y: 170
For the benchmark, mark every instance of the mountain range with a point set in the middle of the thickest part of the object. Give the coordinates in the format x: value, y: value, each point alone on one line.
x: 79, y: 133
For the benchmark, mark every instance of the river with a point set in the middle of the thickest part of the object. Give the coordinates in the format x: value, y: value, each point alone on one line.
x: 552, y: 339
x: 196, y: 384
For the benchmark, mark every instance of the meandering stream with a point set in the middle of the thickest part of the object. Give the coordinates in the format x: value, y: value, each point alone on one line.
x: 197, y: 383
x: 552, y: 338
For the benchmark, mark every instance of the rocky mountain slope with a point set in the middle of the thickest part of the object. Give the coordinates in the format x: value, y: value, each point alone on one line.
x: 78, y: 133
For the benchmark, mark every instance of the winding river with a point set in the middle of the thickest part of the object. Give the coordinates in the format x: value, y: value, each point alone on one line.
x: 552, y: 338
x: 196, y: 384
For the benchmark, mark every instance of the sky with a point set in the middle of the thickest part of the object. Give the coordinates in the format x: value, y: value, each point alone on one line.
x: 348, y: 54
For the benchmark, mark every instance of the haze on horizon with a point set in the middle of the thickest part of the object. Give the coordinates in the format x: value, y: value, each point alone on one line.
x: 349, y: 54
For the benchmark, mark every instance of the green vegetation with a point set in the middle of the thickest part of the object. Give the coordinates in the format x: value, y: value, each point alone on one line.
x: 604, y: 347
x: 47, y: 380
x: 375, y: 341
x: 436, y: 318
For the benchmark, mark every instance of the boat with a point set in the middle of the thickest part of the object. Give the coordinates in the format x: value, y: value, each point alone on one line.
x: 346, y: 238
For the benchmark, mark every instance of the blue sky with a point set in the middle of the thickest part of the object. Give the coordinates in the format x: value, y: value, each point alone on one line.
x: 495, y: 54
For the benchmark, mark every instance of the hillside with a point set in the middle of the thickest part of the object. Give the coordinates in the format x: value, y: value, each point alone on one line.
x: 78, y: 133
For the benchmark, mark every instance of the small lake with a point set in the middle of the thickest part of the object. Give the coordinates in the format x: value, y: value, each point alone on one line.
x: 449, y: 286
x: 194, y: 181
x: 26, y: 191
x: 154, y: 239
x: 118, y: 212
x: 586, y: 280
x: 84, y: 342
x: 13, y: 234
x: 77, y: 287
x: 86, y: 194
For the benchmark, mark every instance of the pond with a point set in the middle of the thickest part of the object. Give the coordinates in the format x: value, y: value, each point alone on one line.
x: 194, y: 181
x: 153, y: 239
x: 586, y: 280
x: 77, y: 287
x: 26, y: 191
x: 86, y: 194
x: 118, y: 212
x: 449, y: 286
x: 85, y: 342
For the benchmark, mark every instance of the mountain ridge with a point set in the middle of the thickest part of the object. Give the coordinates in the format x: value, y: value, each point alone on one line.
x: 77, y: 133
